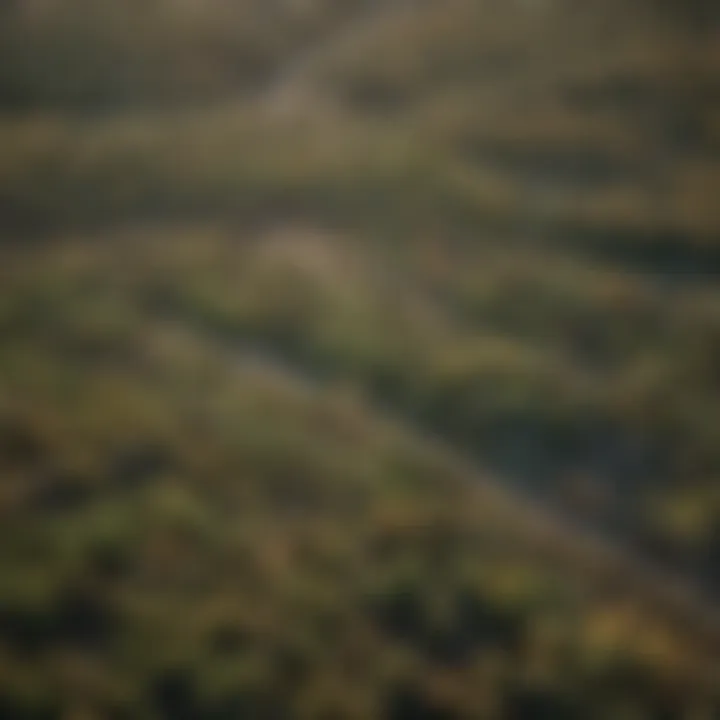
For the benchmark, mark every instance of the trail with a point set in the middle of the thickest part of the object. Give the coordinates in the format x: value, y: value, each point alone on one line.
x: 678, y: 597
x: 295, y: 86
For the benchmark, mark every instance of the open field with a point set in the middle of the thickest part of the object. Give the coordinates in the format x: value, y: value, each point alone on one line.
x: 359, y: 360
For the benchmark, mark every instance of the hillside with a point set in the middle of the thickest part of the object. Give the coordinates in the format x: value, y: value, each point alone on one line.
x: 359, y: 359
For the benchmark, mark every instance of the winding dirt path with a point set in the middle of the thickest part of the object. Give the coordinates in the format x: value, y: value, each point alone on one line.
x: 296, y: 87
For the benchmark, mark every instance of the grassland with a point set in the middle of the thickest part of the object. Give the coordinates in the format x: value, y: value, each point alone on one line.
x: 358, y: 360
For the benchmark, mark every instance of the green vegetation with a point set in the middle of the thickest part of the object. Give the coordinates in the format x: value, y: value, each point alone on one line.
x: 309, y: 311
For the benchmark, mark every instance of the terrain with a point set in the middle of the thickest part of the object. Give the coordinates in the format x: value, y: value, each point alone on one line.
x: 359, y: 359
